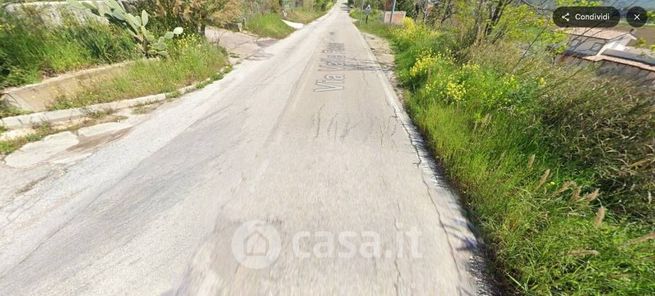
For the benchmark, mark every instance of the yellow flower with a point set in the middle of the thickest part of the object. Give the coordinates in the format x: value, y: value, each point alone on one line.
x: 455, y: 91
x: 471, y: 67
x: 409, y: 24
x: 423, y: 64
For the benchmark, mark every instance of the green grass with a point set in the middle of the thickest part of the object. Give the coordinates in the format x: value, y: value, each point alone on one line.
x: 192, y: 60
x: 31, y: 50
x: 374, y: 25
x: 268, y: 25
x: 303, y: 15
x: 528, y: 152
x: 40, y: 132
x: 44, y: 130
x: 544, y: 243
x: 6, y: 111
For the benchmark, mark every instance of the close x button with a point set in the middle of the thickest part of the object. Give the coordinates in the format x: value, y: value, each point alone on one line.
x: 636, y: 16
x: 586, y: 16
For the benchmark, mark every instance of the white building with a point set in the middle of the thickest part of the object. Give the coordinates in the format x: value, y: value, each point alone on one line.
x: 595, y: 41
x: 607, y: 50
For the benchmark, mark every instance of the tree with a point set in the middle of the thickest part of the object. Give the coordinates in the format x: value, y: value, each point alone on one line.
x: 408, y: 6
x: 195, y: 15
x: 149, y: 44
x: 440, y: 12
x: 200, y: 13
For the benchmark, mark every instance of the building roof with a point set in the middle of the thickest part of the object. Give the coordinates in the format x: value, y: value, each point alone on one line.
x: 634, y: 54
x: 640, y: 51
x: 635, y: 64
x: 599, y: 33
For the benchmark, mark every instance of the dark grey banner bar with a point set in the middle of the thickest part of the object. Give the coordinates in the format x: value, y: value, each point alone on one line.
x: 586, y: 16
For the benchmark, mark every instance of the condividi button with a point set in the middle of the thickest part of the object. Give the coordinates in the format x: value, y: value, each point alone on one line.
x: 586, y: 16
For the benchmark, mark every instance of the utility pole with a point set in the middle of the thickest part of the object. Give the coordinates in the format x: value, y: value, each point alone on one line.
x: 393, y: 9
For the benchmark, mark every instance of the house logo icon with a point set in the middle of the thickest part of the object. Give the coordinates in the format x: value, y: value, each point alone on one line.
x: 256, y: 244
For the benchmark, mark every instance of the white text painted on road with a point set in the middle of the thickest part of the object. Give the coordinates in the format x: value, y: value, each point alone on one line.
x: 334, y: 60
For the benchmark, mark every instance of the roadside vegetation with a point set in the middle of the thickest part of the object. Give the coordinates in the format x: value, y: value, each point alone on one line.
x: 557, y: 164
x: 164, y: 56
x: 162, y: 40
x: 30, y: 49
x: 9, y: 146
x: 268, y: 25
x: 191, y: 60
x: 310, y: 11
x: 44, y: 130
x: 374, y: 24
x: 303, y: 15
x: 34, y: 47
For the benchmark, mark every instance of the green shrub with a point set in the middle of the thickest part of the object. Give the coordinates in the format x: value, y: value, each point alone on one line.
x: 322, y: 5
x: 193, y: 15
x: 103, y: 42
x: 540, y: 149
x: 149, y: 44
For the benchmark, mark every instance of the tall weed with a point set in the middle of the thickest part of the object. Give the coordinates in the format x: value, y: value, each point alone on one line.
x: 557, y: 163
x: 192, y: 60
x: 268, y: 25
x: 31, y: 49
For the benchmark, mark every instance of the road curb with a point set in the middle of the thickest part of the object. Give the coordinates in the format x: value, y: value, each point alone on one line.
x: 61, y: 116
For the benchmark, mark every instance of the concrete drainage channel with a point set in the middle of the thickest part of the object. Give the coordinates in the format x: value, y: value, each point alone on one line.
x: 67, y: 143
x: 74, y: 139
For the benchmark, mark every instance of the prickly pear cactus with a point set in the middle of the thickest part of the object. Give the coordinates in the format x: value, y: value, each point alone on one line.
x: 115, y: 13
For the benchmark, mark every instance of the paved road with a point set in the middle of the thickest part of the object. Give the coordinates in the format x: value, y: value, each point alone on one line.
x: 304, y: 143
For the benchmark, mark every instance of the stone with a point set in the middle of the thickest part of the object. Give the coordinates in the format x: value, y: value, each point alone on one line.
x: 14, y: 134
x: 102, y: 130
x: 37, y: 152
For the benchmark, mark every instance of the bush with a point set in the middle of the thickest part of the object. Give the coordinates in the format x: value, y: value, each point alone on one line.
x: 603, y: 126
x: 540, y: 153
x: 608, y: 129
x: 322, y: 5
x: 194, y: 16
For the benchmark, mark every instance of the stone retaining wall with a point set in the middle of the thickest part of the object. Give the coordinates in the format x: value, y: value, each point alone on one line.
x: 53, y: 12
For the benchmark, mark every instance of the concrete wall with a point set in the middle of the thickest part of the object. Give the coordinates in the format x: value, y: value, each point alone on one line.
x: 39, y: 96
x: 398, y: 17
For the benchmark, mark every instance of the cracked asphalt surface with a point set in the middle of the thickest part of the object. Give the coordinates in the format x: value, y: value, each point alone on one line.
x: 308, y: 138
